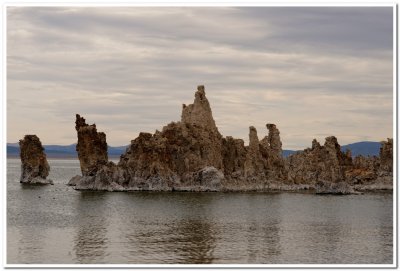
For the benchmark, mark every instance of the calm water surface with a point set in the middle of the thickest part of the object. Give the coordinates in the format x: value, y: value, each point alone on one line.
x: 56, y: 224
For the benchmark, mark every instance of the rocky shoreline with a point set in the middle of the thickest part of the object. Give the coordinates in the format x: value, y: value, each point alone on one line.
x: 191, y: 155
x: 81, y: 184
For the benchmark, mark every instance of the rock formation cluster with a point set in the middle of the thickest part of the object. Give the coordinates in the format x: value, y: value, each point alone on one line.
x: 34, y: 165
x: 192, y: 155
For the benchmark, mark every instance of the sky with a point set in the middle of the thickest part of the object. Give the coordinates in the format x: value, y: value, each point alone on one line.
x: 313, y: 71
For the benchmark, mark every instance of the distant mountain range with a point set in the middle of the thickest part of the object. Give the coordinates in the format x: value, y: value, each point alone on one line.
x: 364, y: 148
x: 68, y: 151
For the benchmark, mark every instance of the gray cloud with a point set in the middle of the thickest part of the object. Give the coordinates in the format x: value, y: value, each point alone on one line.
x: 312, y: 71
x: 334, y: 29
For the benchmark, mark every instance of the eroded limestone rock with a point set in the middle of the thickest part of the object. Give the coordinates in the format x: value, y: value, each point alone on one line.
x: 34, y: 167
x: 320, y: 163
x: 254, y: 164
x: 340, y: 188
x: 92, y: 154
x: 180, y: 149
x: 191, y: 155
x: 386, y: 156
x: 199, y: 113
x: 372, y: 173
x: 91, y: 147
x: 165, y: 160
x: 272, y: 152
x: 385, y: 171
x: 363, y: 170
x: 234, y: 156
x: 209, y: 179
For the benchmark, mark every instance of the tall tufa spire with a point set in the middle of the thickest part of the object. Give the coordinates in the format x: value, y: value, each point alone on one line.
x: 199, y: 113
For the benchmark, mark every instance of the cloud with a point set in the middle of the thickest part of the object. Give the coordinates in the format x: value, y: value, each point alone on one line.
x: 312, y: 71
x: 351, y: 30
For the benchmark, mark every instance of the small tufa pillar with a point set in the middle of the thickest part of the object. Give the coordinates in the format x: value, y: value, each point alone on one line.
x: 34, y: 167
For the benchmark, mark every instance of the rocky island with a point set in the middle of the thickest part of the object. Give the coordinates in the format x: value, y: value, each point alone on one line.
x: 34, y: 165
x: 192, y: 155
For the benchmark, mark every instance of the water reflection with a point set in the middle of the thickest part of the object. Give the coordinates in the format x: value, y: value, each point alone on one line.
x: 384, y: 242
x: 32, y: 221
x: 31, y: 244
x: 193, y: 235
x: 327, y: 238
x: 263, y: 233
x: 33, y: 186
x: 55, y: 224
x: 176, y: 232
x: 194, y: 241
x: 90, y: 242
x: 272, y: 240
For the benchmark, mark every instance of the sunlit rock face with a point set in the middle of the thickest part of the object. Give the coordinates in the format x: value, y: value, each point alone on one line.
x: 34, y: 165
x: 192, y: 155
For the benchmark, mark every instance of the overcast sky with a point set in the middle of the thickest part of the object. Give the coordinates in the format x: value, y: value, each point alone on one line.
x: 314, y: 72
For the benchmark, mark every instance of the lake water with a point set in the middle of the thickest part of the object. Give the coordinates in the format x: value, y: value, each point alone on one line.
x: 58, y: 225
